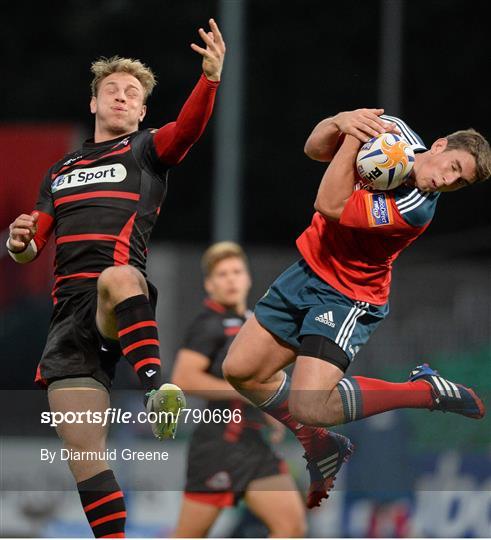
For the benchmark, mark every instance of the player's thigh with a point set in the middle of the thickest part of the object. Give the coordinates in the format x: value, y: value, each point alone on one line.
x: 195, y: 519
x: 276, y: 501
x: 256, y: 353
x: 73, y: 403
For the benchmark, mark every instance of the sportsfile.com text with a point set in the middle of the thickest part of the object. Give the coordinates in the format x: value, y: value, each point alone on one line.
x: 114, y: 415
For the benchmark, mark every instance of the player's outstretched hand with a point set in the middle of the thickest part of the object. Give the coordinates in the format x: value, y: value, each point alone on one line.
x: 22, y: 231
x: 364, y: 124
x: 214, y: 53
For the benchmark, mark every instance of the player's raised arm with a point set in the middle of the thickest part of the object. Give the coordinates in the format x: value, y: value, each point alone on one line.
x: 327, y: 136
x: 174, y: 140
x: 190, y: 374
x: 339, y: 180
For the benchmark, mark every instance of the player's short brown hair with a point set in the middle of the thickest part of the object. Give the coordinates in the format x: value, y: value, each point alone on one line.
x: 218, y: 252
x: 473, y: 142
x: 102, y: 67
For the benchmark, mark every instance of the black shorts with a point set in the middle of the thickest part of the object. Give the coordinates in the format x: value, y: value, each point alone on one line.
x: 74, y: 346
x: 219, y: 472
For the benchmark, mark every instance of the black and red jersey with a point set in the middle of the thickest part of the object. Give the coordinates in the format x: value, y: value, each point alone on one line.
x: 103, y: 200
x: 211, y: 334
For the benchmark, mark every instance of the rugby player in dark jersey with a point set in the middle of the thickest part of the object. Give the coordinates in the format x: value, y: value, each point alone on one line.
x: 322, y: 309
x: 102, y: 202
x: 228, y: 458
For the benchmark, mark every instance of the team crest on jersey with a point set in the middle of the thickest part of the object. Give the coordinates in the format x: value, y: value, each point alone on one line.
x: 379, y: 210
x: 124, y: 142
x: 72, y: 160
x: 93, y: 175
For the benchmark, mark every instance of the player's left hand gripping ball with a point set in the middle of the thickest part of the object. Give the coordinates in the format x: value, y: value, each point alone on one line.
x: 167, y: 403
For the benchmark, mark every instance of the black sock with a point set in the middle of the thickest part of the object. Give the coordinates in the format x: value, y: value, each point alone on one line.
x: 139, y: 340
x: 103, y: 503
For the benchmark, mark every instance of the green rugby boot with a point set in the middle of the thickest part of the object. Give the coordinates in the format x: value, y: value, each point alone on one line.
x: 167, y: 403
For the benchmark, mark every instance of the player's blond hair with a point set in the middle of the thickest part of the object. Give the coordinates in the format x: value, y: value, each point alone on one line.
x: 473, y: 142
x: 218, y: 252
x: 103, y: 67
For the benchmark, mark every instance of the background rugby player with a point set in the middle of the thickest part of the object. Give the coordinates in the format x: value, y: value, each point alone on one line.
x: 229, y: 461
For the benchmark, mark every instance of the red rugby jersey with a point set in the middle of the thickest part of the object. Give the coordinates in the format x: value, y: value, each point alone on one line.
x: 355, y: 255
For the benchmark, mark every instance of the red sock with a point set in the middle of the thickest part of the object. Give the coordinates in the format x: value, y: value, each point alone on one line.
x: 277, y: 407
x: 364, y: 397
x: 305, y: 434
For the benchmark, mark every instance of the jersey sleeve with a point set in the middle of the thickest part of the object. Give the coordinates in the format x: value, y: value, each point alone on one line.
x: 174, y: 140
x: 415, y: 207
x: 157, y: 150
x: 46, y: 210
x: 409, y: 135
x: 389, y: 212
x: 204, y: 335
x: 369, y: 210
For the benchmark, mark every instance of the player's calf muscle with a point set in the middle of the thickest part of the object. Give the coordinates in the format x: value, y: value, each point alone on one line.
x: 315, y: 408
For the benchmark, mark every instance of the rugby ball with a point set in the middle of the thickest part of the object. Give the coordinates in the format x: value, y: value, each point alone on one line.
x: 385, y: 162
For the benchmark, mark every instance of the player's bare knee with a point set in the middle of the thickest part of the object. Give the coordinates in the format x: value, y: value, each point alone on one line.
x: 118, y: 282
x: 79, y: 444
x: 238, y: 374
x: 114, y: 277
x: 78, y: 439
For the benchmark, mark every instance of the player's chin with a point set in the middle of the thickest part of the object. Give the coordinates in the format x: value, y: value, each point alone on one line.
x: 447, y: 189
x: 120, y: 128
x: 232, y: 300
x: 426, y: 188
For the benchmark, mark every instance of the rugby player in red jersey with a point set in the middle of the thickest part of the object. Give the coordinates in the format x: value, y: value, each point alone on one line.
x: 102, y: 202
x: 229, y: 459
x: 322, y: 309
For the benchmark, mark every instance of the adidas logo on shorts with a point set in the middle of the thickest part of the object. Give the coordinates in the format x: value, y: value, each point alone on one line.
x: 326, y: 318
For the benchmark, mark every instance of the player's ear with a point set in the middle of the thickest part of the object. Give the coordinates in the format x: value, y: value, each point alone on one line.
x: 142, y: 113
x: 93, y: 105
x: 207, y: 286
x: 440, y: 145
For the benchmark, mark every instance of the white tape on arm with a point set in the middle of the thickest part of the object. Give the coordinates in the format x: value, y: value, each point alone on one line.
x: 24, y: 256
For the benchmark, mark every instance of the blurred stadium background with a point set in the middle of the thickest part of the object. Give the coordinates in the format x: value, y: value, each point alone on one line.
x: 289, y: 65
